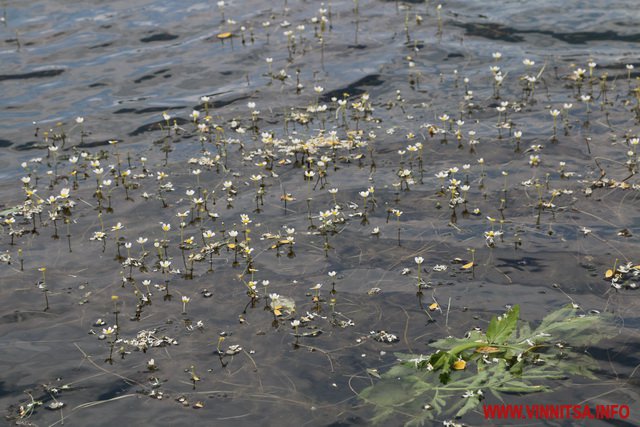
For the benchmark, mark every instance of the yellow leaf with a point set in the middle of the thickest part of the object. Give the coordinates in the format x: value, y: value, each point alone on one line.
x: 434, y: 306
x: 487, y: 350
x: 467, y: 265
x: 608, y: 274
x: 459, y: 365
x: 224, y: 35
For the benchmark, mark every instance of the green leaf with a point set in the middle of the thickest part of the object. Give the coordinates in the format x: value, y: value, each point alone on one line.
x: 452, y: 342
x: 524, y: 364
x: 501, y: 328
x: 470, y: 403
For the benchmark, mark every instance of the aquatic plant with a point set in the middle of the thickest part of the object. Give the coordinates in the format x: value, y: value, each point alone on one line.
x: 509, y: 357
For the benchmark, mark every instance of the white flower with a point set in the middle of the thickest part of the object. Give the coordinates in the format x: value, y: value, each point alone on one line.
x: 419, y: 260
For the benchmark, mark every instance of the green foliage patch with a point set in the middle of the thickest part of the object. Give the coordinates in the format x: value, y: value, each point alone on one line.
x: 510, y: 357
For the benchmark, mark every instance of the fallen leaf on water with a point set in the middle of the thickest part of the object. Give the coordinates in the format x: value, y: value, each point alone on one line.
x: 459, y: 365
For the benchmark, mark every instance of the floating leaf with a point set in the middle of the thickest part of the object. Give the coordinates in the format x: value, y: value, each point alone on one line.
x: 282, y: 305
x: 459, y: 365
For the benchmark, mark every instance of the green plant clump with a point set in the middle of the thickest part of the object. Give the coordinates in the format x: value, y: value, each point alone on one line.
x: 505, y: 359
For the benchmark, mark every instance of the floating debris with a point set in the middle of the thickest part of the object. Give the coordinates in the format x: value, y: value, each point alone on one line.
x: 233, y: 350
x: 146, y: 339
x: 55, y: 405
x: 384, y: 336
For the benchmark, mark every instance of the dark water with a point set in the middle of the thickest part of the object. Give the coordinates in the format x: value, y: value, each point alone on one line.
x: 121, y: 65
